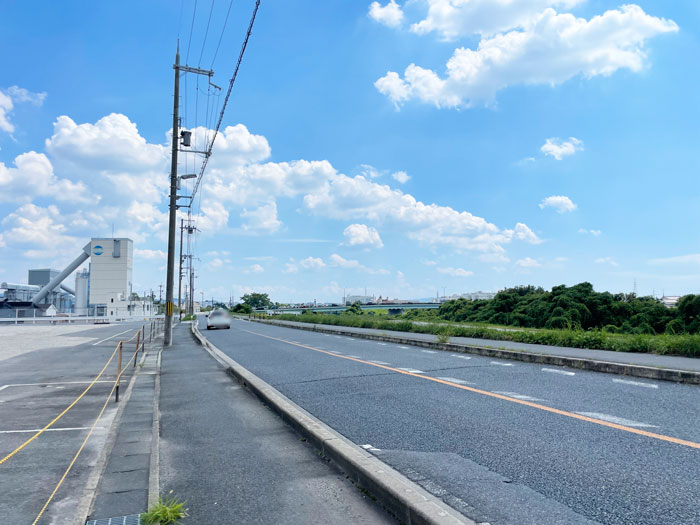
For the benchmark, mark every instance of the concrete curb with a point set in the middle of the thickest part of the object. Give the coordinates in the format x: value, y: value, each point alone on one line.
x: 403, y: 498
x: 648, y: 372
x: 154, y: 467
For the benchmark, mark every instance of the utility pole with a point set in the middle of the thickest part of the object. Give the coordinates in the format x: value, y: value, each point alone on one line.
x: 191, y: 308
x: 179, y: 285
x: 174, y: 183
x: 168, y: 329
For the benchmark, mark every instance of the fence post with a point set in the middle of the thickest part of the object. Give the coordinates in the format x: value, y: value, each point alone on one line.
x: 119, y: 372
x: 138, y: 339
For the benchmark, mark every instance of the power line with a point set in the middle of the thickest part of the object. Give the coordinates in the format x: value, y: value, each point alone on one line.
x: 194, y: 14
x: 228, y: 94
x: 201, y: 53
x: 222, y: 35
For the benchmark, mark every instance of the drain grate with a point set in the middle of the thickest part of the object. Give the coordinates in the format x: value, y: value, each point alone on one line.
x: 132, y: 519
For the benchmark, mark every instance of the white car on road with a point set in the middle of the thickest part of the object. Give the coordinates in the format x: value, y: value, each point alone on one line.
x: 218, y: 319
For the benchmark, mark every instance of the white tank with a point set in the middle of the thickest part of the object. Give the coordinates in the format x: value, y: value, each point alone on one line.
x: 81, y: 292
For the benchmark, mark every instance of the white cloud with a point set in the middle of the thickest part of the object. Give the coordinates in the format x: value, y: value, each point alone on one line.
x: 401, y: 176
x: 546, y: 49
x: 458, y: 18
x: 594, y: 233
x: 41, y: 231
x: 606, y: 260
x: 693, y: 258
x: 559, y: 148
x: 527, y: 262
x: 290, y: 267
x: 356, y: 197
x: 312, y: 263
x: 215, y: 263
x: 390, y: 15
x: 560, y: 203
x: 430, y: 263
x: 150, y: 254
x: 341, y: 262
x: 362, y: 235
x: 8, y: 98
x: 456, y: 272
x: 262, y: 219
x: 256, y: 268
x: 34, y: 176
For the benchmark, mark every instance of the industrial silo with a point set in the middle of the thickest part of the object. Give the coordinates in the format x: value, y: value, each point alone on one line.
x: 82, y: 279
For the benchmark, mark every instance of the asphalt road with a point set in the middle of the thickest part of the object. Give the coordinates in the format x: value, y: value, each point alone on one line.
x: 501, y: 441
x: 42, y: 370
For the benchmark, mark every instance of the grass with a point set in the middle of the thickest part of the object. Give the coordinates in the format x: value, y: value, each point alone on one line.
x: 189, y: 317
x: 169, y: 509
x: 682, y: 345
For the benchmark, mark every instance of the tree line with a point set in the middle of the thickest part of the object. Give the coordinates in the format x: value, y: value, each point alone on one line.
x: 577, y: 307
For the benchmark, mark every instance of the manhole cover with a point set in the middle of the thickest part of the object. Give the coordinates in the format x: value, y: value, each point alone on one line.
x: 132, y: 519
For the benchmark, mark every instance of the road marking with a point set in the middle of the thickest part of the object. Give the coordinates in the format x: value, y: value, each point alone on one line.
x: 112, y: 337
x: 371, y: 448
x: 455, y: 380
x: 519, y: 396
x: 47, y: 430
x: 333, y: 351
x: 501, y: 364
x: 635, y: 383
x: 383, y: 344
x: 555, y: 371
x: 380, y: 362
x: 405, y: 347
x: 354, y: 356
x: 429, y: 351
x: 458, y: 356
x: 615, y: 419
x: 545, y: 408
x: 46, y: 384
x: 412, y: 370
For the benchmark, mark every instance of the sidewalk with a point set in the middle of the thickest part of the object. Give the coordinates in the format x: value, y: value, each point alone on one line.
x: 656, y: 361
x: 234, y: 460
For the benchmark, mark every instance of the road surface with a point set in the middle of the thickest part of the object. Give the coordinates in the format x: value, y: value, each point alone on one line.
x: 501, y: 441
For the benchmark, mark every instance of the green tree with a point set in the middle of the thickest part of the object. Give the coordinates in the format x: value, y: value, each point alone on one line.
x: 257, y: 300
x: 242, y: 308
x: 355, y: 308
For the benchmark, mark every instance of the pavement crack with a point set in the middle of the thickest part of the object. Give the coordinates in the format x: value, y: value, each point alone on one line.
x: 336, y: 378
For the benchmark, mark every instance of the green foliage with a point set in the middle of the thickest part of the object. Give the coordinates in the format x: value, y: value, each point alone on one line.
x: 242, y: 308
x: 685, y: 345
x: 169, y: 509
x: 354, y: 309
x: 257, y: 300
x: 576, y: 307
x: 189, y: 317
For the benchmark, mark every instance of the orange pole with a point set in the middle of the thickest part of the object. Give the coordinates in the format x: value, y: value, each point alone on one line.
x: 119, y: 368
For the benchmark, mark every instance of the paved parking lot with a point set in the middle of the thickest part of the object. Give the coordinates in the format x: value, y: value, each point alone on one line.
x: 43, y: 369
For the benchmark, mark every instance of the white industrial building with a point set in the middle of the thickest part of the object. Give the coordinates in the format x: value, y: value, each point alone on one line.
x: 104, y: 289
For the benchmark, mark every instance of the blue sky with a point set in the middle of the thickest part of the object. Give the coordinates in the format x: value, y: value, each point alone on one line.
x: 398, y: 146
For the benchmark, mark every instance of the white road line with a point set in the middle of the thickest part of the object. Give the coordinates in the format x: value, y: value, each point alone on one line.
x: 429, y: 351
x: 379, y: 362
x: 383, y: 344
x: 355, y: 356
x: 459, y: 356
x: 522, y: 397
x: 412, y: 370
x: 335, y: 352
x: 501, y: 364
x: 370, y: 448
x: 47, y: 430
x: 626, y: 382
x: 555, y: 371
x: 455, y: 380
x: 615, y: 419
x: 63, y: 383
x: 112, y: 337
x: 404, y: 347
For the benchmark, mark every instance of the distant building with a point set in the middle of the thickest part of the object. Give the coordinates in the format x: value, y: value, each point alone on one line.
x: 670, y: 300
x: 362, y: 299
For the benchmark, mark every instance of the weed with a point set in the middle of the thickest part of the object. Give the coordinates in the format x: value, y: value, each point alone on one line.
x: 169, y: 509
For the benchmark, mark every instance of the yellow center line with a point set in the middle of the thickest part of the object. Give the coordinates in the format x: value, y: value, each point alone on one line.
x: 538, y: 406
